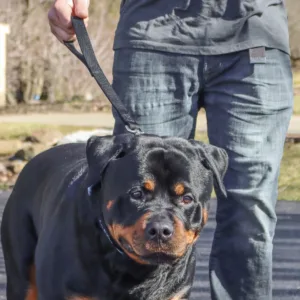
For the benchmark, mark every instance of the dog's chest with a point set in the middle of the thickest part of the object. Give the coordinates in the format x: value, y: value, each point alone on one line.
x: 124, y: 287
x: 95, y: 284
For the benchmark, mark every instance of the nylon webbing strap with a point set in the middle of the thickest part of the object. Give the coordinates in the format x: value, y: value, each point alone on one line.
x: 89, y: 59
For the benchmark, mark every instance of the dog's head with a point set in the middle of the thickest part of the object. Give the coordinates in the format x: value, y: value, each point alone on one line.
x: 153, y: 192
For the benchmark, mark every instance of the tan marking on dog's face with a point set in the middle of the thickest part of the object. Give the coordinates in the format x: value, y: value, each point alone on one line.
x: 179, y: 189
x: 182, y: 237
x: 204, y: 217
x: 137, y: 259
x: 109, y: 204
x: 32, y: 292
x: 129, y: 233
x: 149, y: 185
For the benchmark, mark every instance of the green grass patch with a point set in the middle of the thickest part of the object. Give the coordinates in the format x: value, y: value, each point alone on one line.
x: 4, y: 187
x: 296, y: 109
x: 296, y: 79
x: 13, y: 131
x: 289, y: 180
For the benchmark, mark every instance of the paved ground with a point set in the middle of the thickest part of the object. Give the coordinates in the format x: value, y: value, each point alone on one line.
x: 286, y: 254
x: 100, y: 120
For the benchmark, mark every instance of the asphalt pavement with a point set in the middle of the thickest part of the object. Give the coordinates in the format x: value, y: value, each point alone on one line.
x: 286, y: 268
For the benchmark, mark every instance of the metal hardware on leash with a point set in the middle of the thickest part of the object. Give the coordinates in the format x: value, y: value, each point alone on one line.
x: 136, y: 131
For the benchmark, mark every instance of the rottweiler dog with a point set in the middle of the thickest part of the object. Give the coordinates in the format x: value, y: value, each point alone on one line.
x: 116, y: 218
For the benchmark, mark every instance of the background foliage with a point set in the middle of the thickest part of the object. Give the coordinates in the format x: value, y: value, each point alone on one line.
x: 39, y: 66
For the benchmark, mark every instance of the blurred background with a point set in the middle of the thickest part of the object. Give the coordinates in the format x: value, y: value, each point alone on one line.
x: 46, y: 94
x: 34, y: 55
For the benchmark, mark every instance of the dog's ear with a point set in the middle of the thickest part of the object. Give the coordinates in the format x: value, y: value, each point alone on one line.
x: 100, y: 151
x: 216, y: 160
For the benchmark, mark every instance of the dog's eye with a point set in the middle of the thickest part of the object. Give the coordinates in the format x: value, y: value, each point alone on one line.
x: 137, y: 195
x: 187, y: 199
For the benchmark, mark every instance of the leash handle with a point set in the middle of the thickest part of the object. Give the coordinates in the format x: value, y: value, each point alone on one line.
x: 88, y: 58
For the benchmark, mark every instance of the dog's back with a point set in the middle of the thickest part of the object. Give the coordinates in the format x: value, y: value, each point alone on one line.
x: 19, y: 229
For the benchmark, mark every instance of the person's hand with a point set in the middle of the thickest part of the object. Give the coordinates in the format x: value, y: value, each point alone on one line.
x: 60, y: 17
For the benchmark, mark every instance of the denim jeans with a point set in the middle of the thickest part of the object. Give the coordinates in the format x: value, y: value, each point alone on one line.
x: 248, y: 107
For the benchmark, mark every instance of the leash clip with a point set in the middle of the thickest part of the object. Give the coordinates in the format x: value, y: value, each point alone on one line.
x: 136, y: 131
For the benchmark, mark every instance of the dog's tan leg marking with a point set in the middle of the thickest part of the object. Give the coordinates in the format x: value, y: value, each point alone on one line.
x: 32, y: 293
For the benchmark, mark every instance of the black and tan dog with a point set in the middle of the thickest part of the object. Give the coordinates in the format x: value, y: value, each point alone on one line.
x: 114, y: 220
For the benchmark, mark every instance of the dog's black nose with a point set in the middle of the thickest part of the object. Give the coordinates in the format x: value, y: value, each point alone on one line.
x: 159, y: 228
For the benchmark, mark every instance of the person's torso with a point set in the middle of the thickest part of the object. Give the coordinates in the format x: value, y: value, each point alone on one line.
x: 202, y: 26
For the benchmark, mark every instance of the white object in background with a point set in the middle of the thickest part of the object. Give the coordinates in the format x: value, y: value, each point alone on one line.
x: 4, y: 30
x: 82, y: 136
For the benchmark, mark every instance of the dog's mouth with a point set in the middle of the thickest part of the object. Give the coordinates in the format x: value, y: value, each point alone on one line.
x: 126, y: 246
x: 158, y: 256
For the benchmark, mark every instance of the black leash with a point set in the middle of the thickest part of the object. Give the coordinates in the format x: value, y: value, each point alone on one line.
x: 89, y: 59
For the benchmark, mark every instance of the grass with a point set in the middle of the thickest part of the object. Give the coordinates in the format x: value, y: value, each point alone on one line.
x: 296, y: 109
x: 12, y: 134
x: 13, y: 131
x: 4, y: 187
x: 289, y: 181
x: 296, y: 78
